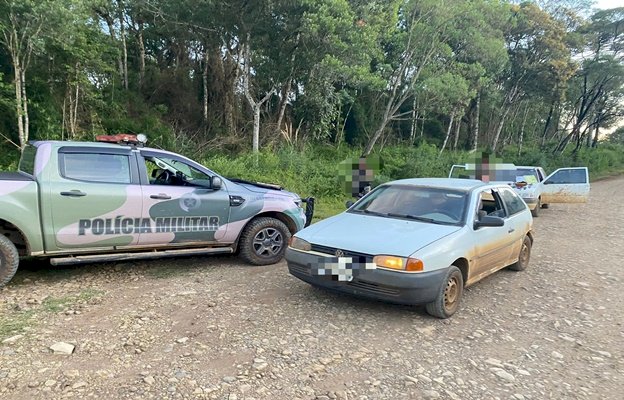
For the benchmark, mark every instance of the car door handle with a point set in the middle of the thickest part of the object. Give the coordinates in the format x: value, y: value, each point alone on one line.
x: 160, y: 196
x: 510, y: 230
x: 74, y: 193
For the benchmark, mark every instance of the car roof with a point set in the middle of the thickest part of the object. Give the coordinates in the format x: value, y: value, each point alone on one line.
x: 443, y: 183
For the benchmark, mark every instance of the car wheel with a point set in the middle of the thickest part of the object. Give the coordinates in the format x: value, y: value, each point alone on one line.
x: 545, y: 205
x: 9, y: 260
x: 264, y: 241
x: 449, y: 296
x: 524, y: 257
x: 535, y: 211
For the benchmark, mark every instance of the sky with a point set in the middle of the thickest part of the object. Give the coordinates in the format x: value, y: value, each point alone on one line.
x: 604, y: 4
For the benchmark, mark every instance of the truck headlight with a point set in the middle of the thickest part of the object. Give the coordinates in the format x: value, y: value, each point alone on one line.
x: 299, y: 244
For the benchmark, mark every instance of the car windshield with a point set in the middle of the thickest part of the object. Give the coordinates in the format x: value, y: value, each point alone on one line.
x: 425, y: 204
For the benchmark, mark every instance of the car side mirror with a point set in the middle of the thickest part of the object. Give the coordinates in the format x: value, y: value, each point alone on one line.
x: 216, y: 183
x: 349, y: 203
x: 489, y: 220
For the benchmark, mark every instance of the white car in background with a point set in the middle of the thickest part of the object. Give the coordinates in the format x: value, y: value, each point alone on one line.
x: 565, y: 185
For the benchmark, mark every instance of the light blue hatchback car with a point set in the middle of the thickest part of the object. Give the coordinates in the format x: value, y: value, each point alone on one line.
x: 416, y: 241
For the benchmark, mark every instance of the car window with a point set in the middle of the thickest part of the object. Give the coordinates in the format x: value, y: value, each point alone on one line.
x: 490, y: 204
x: 568, y: 176
x: 92, y: 167
x: 171, y: 172
x: 514, y: 203
x: 434, y: 205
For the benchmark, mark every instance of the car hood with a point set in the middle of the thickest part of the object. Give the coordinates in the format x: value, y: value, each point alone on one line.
x: 371, y: 234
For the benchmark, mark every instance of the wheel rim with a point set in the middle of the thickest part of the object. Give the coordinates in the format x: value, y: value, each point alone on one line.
x: 451, y: 293
x: 525, y: 253
x: 268, y: 242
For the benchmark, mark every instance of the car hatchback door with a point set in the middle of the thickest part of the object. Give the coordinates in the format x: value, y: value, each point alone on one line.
x: 566, y: 185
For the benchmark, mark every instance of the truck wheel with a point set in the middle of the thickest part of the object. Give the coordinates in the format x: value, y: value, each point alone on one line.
x: 264, y: 241
x: 535, y: 211
x: 447, y: 301
x: 524, y: 257
x: 9, y: 260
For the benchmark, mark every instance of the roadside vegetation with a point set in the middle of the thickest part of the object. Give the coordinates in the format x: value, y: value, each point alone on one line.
x: 283, y: 91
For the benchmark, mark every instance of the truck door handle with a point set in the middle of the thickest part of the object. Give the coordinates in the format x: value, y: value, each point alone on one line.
x: 160, y: 196
x: 510, y: 230
x: 74, y: 193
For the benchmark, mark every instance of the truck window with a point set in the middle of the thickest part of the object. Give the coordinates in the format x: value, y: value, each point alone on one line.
x: 91, y: 167
x: 27, y: 162
x: 171, y: 172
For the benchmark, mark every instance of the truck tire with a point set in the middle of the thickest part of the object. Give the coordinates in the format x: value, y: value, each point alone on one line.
x: 264, y: 241
x: 9, y: 260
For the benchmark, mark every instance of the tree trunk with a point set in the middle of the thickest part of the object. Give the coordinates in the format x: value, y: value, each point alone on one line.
x: 474, y: 141
x: 205, y: 84
x: 124, y: 48
x: 141, y: 45
x: 111, y: 30
x: 256, y: 128
x: 283, y: 104
x: 414, y: 121
x: 457, y: 128
x: 448, y: 131
x: 19, y: 104
x: 547, y: 124
x: 521, y: 138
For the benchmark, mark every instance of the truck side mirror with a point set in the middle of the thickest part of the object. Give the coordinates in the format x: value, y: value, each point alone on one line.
x: 216, y: 183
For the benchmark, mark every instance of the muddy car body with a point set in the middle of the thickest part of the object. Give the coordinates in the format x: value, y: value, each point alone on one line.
x: 416, y: 241
x: 538, y: 190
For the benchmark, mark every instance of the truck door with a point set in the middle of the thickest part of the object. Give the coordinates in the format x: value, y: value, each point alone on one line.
x: 95, y: 199
x: 566, y: 185
x: 180, y: 202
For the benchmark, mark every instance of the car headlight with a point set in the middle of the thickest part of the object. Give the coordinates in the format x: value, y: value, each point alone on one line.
x: 407, y: 264
x: 299, y: 244
x: 298, y: 202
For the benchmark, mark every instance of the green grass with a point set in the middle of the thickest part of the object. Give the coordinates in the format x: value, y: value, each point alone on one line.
x: 15, y: 322
x: 57, y: 304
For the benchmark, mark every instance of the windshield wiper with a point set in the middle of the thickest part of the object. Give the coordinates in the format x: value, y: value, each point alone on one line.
x: 423, y: 219
x: 376, y: 213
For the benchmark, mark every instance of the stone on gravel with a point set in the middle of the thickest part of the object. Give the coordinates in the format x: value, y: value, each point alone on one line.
x: 62, y: 348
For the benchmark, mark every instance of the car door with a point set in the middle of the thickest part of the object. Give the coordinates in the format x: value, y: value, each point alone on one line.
x: 492, y: 244
x: 566, y: 185
x: 516, y: 222
x: 179, y: 201
x: 95, y: 199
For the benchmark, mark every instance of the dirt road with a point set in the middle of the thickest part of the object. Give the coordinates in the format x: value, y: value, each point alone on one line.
x: 213, y: 328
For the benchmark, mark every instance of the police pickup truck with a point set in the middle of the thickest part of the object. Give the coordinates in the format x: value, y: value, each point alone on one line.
x: 114, y: 199
x: 565, y: 185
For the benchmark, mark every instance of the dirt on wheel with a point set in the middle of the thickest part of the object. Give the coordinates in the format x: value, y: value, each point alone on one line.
x: 212, y: 328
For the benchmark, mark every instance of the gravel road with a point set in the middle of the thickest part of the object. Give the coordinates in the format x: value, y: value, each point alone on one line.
x: 216, y: 329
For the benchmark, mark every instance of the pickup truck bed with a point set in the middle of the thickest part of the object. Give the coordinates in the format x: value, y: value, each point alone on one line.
x: 15, y: 176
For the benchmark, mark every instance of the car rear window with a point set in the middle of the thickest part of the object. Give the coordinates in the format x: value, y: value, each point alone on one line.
x: 27, y: 162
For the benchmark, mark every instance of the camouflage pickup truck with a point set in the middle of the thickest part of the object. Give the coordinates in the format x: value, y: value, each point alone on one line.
x: 78, y: 202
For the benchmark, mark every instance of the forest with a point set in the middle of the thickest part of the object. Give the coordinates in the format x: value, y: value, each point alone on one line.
x: 222, y: 79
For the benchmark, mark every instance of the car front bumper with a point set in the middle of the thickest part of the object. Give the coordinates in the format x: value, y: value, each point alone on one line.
x: 378, y: 284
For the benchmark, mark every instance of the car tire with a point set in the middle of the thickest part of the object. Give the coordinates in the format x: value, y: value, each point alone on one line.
x: 449, y: 295
x: 535, y: 211
x: 524, y: 256
x: 545, y: 205
x: 264, y: 241
x: 9, y: 260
